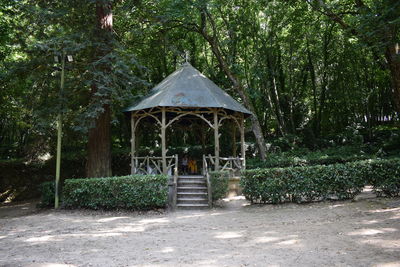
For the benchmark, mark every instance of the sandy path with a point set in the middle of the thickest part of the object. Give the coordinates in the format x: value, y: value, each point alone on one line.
x: 362, y: 233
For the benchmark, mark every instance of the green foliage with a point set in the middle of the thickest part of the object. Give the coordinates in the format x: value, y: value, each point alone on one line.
x: 304, y: 157
x: 137, y: 192
x: 219, y: 184
x: 384, y: 176
x: 47, y: 191
x: 305, y: 184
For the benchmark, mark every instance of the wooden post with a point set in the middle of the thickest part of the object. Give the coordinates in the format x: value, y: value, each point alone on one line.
x: 234, y: 152
x: 163, y: 141
x: 216, y: 140
x: 242, y: 144
x: 133, y: 144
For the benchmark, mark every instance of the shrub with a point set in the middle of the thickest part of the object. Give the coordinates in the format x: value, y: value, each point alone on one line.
x: 219, y: 184
x: 47, y: 191
x: 138, y: 192
x: 314, y: 183
x: 384, y: 176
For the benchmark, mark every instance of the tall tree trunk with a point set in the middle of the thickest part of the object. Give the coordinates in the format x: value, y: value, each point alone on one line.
x: 237, y: 85
x: 99, y: 143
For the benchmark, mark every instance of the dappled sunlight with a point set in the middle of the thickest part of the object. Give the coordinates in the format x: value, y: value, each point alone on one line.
x: 129, y: 228
x: 42, y: 239
x: 383, y: 243
x: 369, y: 231
x: 385, y: 210
x: 369, y: 222
x: 156, y: 220
x: 52, y: 265
x: 228, y: 235
x: 61, y: 237
x: 278, y: 235
x: 336, y: 206
x: 289, y: 242
x: 167, y: 250
x: 266, y: 239
x: 111, y: 219
x: 389, y: 264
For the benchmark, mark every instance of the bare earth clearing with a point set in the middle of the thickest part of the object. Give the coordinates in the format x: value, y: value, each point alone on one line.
x: 361, y: 233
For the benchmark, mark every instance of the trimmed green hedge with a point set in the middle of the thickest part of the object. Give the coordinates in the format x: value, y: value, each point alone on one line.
x: 219, y: 185
x: 314, y: 183
x: 138, y: 192
x: 384, y: 176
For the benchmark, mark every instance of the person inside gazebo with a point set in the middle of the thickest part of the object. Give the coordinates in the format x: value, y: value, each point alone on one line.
x: 185, y: 163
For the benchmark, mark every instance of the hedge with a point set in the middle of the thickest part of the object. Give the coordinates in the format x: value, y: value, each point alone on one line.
x: 314, y: 183
x: 384, y: 176
x: 137, y: 192
x: 219, y: 184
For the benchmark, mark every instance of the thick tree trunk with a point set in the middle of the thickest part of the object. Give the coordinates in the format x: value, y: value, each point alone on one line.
x: 99, y: 143
x: 99, y: 152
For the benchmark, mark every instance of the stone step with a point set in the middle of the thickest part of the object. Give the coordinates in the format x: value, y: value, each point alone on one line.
x: 191, y: 184
x: 192, y: 201
x: 191, y: 180
x: 191, y: 189
x: 192, y: 206
x: 191, y: 176
x: 192, y: 194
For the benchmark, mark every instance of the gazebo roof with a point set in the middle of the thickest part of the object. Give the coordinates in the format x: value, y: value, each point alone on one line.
x: 188, y: 88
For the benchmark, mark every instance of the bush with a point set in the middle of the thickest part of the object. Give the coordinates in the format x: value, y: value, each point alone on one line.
x: 304, y: 157
x: 138, y: 192
x: 314, y: 183
x: 219, y: 185
x: 384, y: 176
x: 47, y: 191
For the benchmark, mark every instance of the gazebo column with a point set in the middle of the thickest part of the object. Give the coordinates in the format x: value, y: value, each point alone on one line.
x: 242, y: 143
x: 216, y: 140
x: 133, y: 144
x: 163, y: 141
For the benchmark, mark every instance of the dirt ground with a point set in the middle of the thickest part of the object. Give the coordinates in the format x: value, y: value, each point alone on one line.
x: 365, y: 232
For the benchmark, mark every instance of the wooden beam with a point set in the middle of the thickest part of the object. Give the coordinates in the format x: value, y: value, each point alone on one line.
x: 133, y: 144
x: 163, y: 141
x: 242, y: 143
x: 216, y: 140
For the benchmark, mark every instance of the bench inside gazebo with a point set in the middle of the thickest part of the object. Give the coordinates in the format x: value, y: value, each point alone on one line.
x: 187, y: 96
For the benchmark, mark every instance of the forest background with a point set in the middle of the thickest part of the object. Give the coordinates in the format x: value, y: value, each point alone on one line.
x: 321, y: 77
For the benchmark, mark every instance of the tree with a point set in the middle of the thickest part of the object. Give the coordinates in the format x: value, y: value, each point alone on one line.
x: 374, y: 23
x: 99, y: 142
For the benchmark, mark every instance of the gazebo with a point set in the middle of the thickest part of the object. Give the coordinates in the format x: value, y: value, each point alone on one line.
x: 186, y: 95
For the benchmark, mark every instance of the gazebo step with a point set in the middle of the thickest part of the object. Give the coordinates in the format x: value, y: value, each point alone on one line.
x: 191, y: 176
x: 192, y: 206
x: 192, y: 194
x: 191, y: 189
x: 192, y: 201
x: 191, y: 184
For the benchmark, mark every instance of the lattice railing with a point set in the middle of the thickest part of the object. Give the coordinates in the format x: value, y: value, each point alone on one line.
x: 153, y: 165
x: 232, y: 164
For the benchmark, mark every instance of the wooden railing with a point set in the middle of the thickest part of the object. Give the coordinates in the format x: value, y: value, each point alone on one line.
x: 232, y: 164
x: 153, y: 165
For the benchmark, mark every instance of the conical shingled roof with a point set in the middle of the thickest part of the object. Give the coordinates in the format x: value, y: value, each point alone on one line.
x: 188, y: 88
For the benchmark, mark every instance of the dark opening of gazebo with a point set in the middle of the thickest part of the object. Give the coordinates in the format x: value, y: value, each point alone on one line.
x: 187, y: 97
